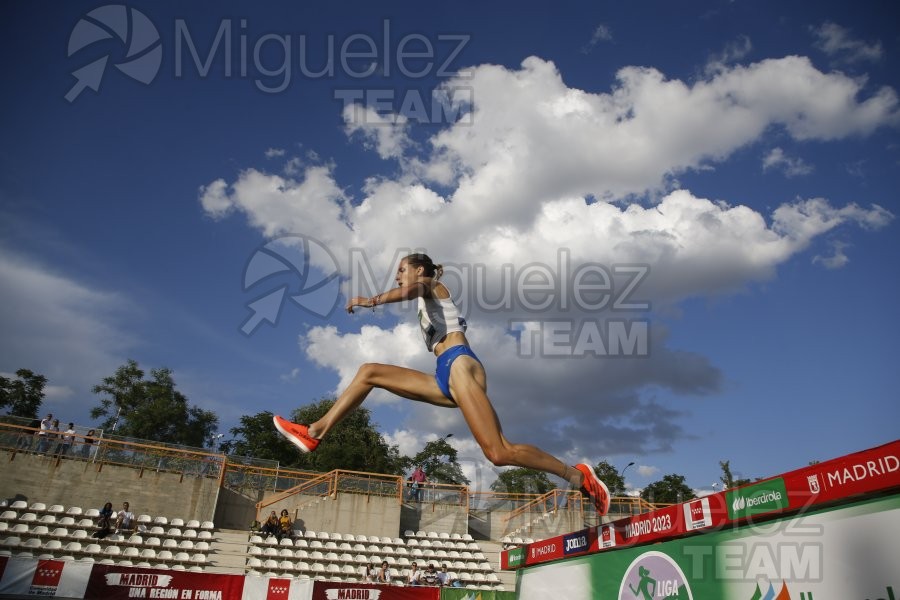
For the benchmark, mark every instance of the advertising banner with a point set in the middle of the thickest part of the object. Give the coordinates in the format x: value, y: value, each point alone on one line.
x: 109, y: 582
x: 327, y: 590
x: 276, y: 588
x: 855, y: 475
x: 48, y: 578
x: 842, y: 553
x: 458, y: 594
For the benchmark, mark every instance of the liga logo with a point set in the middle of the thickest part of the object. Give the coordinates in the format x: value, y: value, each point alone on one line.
x: 654, y: 575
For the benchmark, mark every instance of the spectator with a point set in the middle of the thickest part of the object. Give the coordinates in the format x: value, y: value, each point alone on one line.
x: 104, y: 521
x: 430, y: 576
x: 272, y: 526
x: 125, y: 519
x: 65, y: 441
x: 444, y: 576
x: 26, y: 437
x: 414, y: 575
x: 418, y: 481
x: 43, y: 434
x: 87, y: 442
x: 371, y: 573
x: 285, y: 525
x: 384, y: 573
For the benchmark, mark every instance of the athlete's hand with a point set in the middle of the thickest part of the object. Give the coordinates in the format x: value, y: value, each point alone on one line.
x: 357, y: 301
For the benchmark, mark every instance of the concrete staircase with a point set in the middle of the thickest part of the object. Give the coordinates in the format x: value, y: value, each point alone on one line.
x: 491, y: 551
x: 228, y: 552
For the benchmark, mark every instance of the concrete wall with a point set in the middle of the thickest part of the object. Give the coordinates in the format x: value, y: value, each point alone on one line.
x: 236, y: 509
x: 35, y: 478
x: 440, y: 518
x: 343, y: 513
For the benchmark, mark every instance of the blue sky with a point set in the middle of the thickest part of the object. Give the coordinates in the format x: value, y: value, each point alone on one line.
x: 746, y: 154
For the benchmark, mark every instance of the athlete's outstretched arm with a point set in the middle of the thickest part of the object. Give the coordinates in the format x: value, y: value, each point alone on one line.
x: 397, y: 294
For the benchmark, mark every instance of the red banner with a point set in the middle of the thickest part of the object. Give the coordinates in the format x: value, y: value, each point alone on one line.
x: 326, y: 590
x: 108, y: 582
x: 840, y: 479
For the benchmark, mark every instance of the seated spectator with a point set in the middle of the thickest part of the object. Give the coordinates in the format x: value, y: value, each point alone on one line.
x: 255, y: 526
x: 384, y: 573
x: 371, y: 573
x: 87, y: 442
x: 285, y: 525
x: 444, y: 575
x: 125, y: 519
x: 104, y: 521
x: 430, y: 576
x: 414, y: 575
x: 272, y: 526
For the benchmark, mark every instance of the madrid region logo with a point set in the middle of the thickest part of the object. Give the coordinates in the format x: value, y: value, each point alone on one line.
x: 296, y: 268
x: 140, y: 50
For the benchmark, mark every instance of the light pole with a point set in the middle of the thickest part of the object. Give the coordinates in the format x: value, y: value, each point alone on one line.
x: 622, y: 475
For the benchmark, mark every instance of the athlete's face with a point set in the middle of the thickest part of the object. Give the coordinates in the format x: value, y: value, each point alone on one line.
x: 407, y: 274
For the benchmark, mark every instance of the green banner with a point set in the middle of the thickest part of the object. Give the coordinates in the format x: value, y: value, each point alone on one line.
x: 757, y: 499
x: 463, y: 594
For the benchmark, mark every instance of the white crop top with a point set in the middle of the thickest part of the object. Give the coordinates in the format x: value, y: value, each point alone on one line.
x: 437, y: 318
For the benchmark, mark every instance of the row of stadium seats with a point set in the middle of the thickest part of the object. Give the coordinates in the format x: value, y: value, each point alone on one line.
x: 38, y: 511
x: 76, y: 550
x: 84, y: 527
x: 362, y: 559
x: 42, y: 532
x: 409, y: 533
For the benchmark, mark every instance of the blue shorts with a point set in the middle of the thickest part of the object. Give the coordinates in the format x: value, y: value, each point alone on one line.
x: 445, y: 361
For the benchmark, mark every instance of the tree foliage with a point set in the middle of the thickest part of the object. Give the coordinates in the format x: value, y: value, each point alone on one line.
x: 23, y: 395
x: 522, y: 481
x: 151, y: 409
x: 610, y: 475
x: 440, y: 462
x: 728, y: 479
x: 354, y: 444
x: 670, y: 488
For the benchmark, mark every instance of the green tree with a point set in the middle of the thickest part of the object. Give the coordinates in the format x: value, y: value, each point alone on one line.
x: 151, y: 409
x: 354, y: 444
x: 23, y: 395
x: 257, y: 437
x: 610, y: 475
x: 670, y: 488
x: 728, y: 479
x: 440, y: 462
x: 522, y: 481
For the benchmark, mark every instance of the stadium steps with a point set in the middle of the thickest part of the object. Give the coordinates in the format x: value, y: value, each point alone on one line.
x: 228, y: 552
x: 491, y: 551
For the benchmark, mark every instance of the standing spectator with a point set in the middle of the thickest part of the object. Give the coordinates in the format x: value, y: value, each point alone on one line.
x: 87, y: 442
x: 125, y: 518
x: 27, y: 437
x: 65, y: 441
x: 384, y: 573
x: 418, y: 479
x: 53, y: 435
x: 43, y: 439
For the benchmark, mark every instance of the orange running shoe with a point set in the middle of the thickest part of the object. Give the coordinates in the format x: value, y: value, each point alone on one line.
x: 296, y: 434
x: 595, y: 488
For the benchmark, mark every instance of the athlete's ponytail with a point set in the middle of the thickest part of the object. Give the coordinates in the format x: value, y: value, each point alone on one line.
x: 423, y: 260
